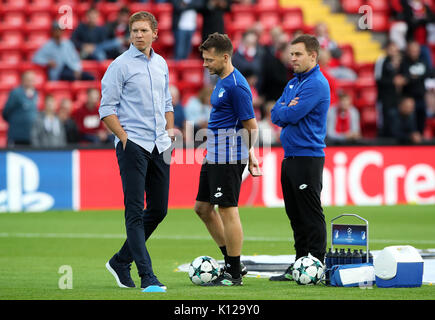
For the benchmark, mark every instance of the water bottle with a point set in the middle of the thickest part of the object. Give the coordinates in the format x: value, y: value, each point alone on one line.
x: 348, y: 259
x: 342, y: 257
x: 334, y: 257
x: 328, y: 259
x: 363, y: 256
x: 356, y: 257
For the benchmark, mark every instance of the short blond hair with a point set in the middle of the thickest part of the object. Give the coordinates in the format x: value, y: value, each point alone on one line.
x: 143, y: 16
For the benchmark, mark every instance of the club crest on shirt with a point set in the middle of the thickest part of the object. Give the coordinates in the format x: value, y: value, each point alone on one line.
x: 221, y: 92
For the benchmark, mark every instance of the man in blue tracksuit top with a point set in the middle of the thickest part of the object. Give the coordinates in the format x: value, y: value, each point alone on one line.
x: 301, y: 112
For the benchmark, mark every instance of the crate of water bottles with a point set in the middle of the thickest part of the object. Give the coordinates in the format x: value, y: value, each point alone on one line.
x: 345, y: 266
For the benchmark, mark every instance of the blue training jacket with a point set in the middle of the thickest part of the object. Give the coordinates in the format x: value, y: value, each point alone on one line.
x: 304, y: 124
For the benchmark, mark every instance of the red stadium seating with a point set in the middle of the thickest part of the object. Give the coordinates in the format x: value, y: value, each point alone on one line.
x: 292, y: 19
x: 10, y: 56
x: 379, y: 5
x: 351, y: 6
x: 12, y: 39
x: 381, y: 22
x: 269, y: 19
x: 347, y: 57
x: 9, y: 76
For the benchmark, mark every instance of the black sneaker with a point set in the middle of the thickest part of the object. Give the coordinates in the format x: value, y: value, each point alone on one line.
x: 286, y: 276
x: 121, y: 272
x: 243, y: 269
x: 224, y: 280
x: 151, y: 280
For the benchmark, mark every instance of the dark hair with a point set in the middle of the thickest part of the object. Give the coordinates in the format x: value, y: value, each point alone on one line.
x: 143, y: 16
x: 220, y: 42
x: 311, y: 43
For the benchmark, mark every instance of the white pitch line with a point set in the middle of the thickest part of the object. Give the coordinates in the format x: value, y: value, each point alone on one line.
x: 176, y: 237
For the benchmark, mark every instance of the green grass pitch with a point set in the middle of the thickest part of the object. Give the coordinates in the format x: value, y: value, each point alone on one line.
x: 33, y: 246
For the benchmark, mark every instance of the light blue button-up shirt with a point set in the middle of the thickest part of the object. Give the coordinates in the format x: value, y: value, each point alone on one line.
x: 136, y: 90
x: 63, y: 53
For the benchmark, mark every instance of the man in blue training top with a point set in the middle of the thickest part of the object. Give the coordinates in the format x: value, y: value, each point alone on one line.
x: 301, y: 112
x: 231, y: 134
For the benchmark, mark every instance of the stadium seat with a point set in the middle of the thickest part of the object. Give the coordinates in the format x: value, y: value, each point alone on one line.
x: 366, y: 95
x: 8, y: 5
x: 3, y: 98
x: 381, y: 22
x: 12, y: 39
x: 9, y: 76
x: 12, y: 20
x: 347, y: 58
x: 59, y: 90
x: 292, y: 19
x: 240, y: 22
x: 242, y: 8
x: 36, y: 40
x: 39, y: 21
x: 269, y: 19
x: 139, y: 6
x: 104, y: 65
x: 165, y: 20
x: 379, y: 5
x: 351, y: 6
x: 10, y: 56
x: 368, y: 120
x: 93, y: 67
x: 266, y: 5
x: 39, y: 6
x: 191, y: 73
x: 79, y: 89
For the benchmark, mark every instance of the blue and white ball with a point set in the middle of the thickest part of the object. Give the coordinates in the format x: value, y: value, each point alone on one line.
x: 308, y: 270
x: 203, y: 269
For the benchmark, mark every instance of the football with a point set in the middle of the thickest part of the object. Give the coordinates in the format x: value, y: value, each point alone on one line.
x: 203, y: 269
x: 308, y: 270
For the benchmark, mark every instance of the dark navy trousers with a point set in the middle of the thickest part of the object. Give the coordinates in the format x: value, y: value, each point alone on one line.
x: 142, y: 173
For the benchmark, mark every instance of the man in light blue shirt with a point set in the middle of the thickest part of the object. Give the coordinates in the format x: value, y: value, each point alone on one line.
x: 136, y: 105
x: 61, y: 58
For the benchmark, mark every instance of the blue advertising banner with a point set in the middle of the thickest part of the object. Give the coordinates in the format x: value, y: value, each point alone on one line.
x: 36, y: 180
x: 348, y: 234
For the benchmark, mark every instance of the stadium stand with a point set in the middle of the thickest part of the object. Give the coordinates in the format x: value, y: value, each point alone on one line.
x: 25, y: 26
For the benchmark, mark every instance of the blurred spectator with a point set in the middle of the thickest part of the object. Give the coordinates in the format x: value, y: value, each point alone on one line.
x: 322, y: 34
x: 406, y: 131
x: 91, y: 39
x: 179, y: 117
x: 268, y: 132
x: 20, y: 110
x: 257, y: 100
x: 213, y: 12
x: 184, y: 26
x: 197, y: 109
x: 70, y: 126
x: 119, y: 29
x: 249, y: 54
x: 337, y: 71
x: 276, y: 71
x: 324, y: 67
x: 343, y: 121
x: 415, y: 71
x: 61, y: 58
x: 48, y: 130
x: 417, y: 16
x: 87, y: 118
x: 389, y: 83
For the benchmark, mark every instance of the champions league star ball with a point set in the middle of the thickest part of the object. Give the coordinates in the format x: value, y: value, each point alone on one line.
x: 308, y: 270
x: 203, y: 269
